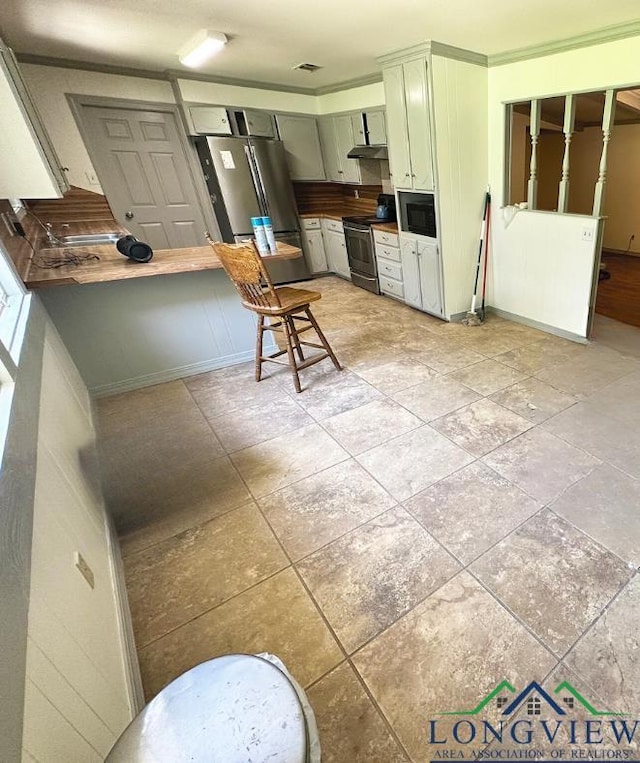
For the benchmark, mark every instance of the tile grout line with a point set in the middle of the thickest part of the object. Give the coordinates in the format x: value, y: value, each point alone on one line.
x: 354, y: 458
x: 333, y: 634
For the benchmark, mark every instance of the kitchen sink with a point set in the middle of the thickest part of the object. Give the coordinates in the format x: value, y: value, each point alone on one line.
x: 91, y: 239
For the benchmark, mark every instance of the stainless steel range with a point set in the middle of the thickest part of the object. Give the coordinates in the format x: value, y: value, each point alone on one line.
x: 358, y: 233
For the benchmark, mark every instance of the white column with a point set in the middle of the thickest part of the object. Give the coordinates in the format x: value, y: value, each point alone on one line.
x: 534, y: 129
x: 569, y: 124
x: 607, y: 125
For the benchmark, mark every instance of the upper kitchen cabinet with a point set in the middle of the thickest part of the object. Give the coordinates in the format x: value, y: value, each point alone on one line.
x: 369, y: 128
x: 376, y: 128
x: 359, y: 131
x: 253, y: 122
x: 207, y: 120
x: 302, y: 146
x: 337, y: 138
x: 345, y: 141
x: 406, y: 90
x: 436, y: 108
x: 29, y: 167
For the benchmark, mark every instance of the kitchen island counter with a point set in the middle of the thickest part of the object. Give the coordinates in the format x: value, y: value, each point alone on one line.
x: 113, y: 266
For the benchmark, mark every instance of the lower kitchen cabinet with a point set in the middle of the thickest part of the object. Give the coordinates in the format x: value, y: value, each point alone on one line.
x: 335, y: 248
x: 313, y: 245
x: 422, y: 273
x: 430, y: 277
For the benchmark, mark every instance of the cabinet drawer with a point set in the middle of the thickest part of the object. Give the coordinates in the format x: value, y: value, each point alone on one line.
x: 311, y: 223
x: 385, y: 238
x: 391, y: 286
x: 334, y: 225
x: 388, y: 252
x: 390, y: 269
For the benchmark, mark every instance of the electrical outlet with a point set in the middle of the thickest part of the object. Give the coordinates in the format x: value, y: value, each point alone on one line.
x: 356, y: 193
x: 587, y: 234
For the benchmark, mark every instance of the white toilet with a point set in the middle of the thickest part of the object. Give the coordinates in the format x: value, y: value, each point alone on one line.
x: 239, y: 708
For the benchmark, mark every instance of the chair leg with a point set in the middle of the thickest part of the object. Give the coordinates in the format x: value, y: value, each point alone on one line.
x: 295, y: 337
x: 323, y: 339
x: 259, y: 339
x: 292, y: 357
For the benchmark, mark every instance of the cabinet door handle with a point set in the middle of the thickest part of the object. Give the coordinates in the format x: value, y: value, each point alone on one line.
x: 412, y: 175
x: 406, y: 174
x: 129, y: 215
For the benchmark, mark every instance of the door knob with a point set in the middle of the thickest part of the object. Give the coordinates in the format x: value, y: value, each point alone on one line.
x: 129, y: 215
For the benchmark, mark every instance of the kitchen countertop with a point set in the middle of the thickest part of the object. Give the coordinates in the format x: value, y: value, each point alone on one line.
x: 113, y: 266
x: 339, y: 214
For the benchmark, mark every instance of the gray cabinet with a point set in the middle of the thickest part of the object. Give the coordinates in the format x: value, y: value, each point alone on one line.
x: 313, y: 245
x: 329, y: 145
x: 337, y: 138
x: 369, y: 128
x: 345, y: 141
x: 301, y: 140
x: 259, y: 123
x: 422, y: 273
x: 335, y: 248
x: 410, y: 271
x: 359, y: 133
x: 208, y: 120
x: 376, y: 128
x: 29, y: 166
x: 406, y: 89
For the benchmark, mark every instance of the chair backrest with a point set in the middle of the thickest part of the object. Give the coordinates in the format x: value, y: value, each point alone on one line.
x: 243, y: 264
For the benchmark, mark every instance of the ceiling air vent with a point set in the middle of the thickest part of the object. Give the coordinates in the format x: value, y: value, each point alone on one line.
x: 306, y: 67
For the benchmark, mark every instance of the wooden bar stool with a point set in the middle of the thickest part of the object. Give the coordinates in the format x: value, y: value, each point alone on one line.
x: 245, y: 268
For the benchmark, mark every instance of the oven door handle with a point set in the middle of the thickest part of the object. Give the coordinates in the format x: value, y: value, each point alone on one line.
x: 366, y: 231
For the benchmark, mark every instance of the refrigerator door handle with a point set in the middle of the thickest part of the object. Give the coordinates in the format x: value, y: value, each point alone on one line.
x: 257, y: 179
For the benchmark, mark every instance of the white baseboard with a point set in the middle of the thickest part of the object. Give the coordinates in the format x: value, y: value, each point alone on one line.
x: 179, y: 372
x: 538, y: 325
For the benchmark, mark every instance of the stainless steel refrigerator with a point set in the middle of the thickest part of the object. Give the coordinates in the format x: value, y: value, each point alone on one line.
x: 248, y: 177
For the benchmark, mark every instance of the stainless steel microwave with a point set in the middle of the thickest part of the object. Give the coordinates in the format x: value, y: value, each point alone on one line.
x: 418, y: 213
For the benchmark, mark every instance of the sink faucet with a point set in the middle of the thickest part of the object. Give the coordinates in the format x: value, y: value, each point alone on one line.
x: 50, y: 237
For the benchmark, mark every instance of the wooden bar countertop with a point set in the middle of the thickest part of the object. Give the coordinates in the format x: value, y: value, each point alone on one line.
x: 113, y: 266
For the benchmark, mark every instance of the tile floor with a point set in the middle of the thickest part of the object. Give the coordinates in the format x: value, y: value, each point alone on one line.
x: 456, y: 507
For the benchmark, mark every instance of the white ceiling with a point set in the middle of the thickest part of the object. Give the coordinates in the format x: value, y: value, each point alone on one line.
x: 271, y: 36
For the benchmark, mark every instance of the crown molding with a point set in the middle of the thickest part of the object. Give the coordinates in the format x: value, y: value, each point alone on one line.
x: 600, y: 36
x: 369, y: 79
x: 433, y: 48
x: 177, y: 74
x: 458, y: 54
x: 70, y: 63
x: 172, y: 75
x: 414, y: 51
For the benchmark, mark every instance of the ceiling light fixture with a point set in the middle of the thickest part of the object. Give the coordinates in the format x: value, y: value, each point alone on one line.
x: 201, y: 47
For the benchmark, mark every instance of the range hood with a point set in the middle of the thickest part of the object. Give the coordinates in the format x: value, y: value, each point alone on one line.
x: 368, y: 152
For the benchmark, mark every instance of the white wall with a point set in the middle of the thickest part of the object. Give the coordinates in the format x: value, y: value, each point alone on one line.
x: 48, y: 86
x: 559, y: 243
x: 78, y: 698
x: 364, y: 97
x: 545, y: 269
x: 460, y: 103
